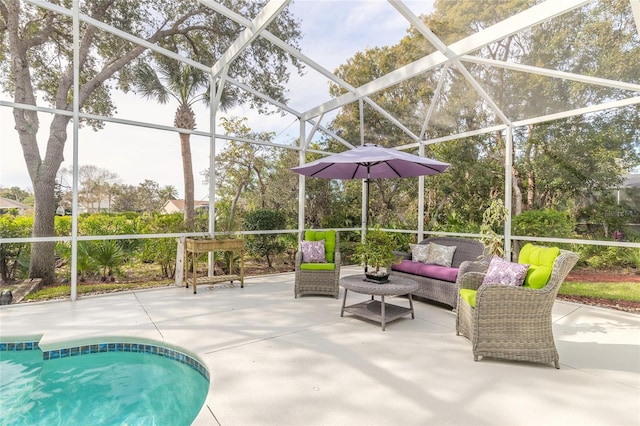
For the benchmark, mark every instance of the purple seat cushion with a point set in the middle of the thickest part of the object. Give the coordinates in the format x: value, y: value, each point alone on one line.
x: 432, y: 271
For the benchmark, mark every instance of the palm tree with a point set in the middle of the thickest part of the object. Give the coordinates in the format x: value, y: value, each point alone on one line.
x: 168, y: 192
x: 187, y: 85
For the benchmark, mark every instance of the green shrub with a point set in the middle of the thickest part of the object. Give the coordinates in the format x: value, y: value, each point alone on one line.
x: 605, y: 257
x: 544, y: 223
x: 14, y: 257
x: 265, y: 245
x: 62, y: 226
x: 162, y: 251
x: 107, y: 255
x: 85, y: 264
x: 633, y: 257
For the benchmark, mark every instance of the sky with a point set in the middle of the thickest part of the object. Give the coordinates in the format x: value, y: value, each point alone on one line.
x: 333, y: 31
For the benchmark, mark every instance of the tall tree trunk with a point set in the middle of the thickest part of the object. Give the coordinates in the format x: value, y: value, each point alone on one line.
x: 234, y: 206
x: 187, y: 170
x: 41, y: 172
x: 531, y: 179
x: 517, y: 192
x: 43, y: 176
x: 263, y: 187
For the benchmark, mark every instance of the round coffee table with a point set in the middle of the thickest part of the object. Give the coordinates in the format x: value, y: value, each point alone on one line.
x: 378, y: 310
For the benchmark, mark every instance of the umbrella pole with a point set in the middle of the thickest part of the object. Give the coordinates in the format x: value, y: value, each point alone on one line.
x: 366, y: 214
x: 366, y: 203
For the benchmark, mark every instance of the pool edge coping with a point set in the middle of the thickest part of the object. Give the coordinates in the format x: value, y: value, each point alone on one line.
x: 103, y: 344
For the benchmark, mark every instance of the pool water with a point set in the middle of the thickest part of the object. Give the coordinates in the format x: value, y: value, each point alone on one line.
x: 112, y: 388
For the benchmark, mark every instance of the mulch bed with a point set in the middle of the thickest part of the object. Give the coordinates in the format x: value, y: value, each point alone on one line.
x: 603, y: 276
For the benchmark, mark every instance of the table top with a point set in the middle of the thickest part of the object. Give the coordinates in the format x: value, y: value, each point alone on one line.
x: 395, y: 287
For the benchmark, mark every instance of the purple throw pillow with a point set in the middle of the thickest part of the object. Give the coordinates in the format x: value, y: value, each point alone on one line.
x: 504, y: 272
x: 313, y: 251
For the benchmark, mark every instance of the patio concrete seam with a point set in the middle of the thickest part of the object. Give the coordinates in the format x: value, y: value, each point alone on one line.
x: 212, y: 414
x: 576, y: 308
x: 148, y: 316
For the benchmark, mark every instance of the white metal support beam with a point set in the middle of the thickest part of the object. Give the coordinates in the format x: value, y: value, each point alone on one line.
x: 307, y: 61
x: 215, y: 97
x: 361, y: 111
x: 364, y: 216
x: 74, y: 161
x: 307, y: 140
x: 579, y: 111
x: 215, y: 102
x: 172, y: 55
x: 434, y: 99
x: 259, y: 23
x: 213, y: 5
x: 302, y: 194
x: 439, y: 44
x: 635, y: 8
x: 262, y: 96
x: 420, y: 199
x: 391, y: 118
x: 553, y: 73
x: 278, y: 42
x: 523, y: 20
x: 508, y: 190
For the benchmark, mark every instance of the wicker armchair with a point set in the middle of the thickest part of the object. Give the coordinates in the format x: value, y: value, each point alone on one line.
x: 319, y: 279
x: 512, y: 322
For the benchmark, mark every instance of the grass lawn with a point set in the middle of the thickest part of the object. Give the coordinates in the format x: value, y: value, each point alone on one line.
x: 629, y: 291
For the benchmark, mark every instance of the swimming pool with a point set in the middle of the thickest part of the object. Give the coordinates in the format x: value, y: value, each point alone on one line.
x: 109, y: 383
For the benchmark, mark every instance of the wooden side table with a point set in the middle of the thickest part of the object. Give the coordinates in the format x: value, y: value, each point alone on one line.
x: 196, y: 246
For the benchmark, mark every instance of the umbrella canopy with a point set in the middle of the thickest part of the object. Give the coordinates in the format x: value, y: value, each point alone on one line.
x: 371, y: 161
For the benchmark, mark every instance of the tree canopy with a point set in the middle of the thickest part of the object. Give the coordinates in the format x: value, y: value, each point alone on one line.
x: 37, y: 53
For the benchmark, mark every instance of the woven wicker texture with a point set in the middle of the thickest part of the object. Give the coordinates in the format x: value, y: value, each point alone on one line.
x: 465, y: 258
x: 397, y: 286
x: 513, y: 322
x: 317, y: 282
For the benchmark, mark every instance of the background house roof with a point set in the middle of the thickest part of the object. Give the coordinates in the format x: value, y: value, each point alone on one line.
x: 6, y: 203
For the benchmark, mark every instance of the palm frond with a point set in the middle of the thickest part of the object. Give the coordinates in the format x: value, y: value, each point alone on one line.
x: 148, y: 83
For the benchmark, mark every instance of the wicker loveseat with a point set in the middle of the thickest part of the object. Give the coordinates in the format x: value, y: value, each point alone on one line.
x: 439, y: 283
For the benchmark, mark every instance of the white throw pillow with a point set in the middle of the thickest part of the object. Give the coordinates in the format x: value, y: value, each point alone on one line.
x: 441, y: 255
x: 419, y: 252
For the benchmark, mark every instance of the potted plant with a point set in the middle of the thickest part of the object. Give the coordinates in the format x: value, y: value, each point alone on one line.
x: 376, y: 254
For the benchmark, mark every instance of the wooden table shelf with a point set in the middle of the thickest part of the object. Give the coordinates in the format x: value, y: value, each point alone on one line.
x: 196, y: 246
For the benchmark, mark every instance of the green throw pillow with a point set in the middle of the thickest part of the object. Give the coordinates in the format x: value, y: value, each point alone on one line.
x: 329, y: 238
x: 541, y: 260
x: 469, y: 295
x: 317, y: 266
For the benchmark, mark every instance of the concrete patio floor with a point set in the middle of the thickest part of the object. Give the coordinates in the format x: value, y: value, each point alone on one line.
x: 277, y: 360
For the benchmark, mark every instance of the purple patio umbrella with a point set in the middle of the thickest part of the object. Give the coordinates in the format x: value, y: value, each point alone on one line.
x: 371, y: 161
